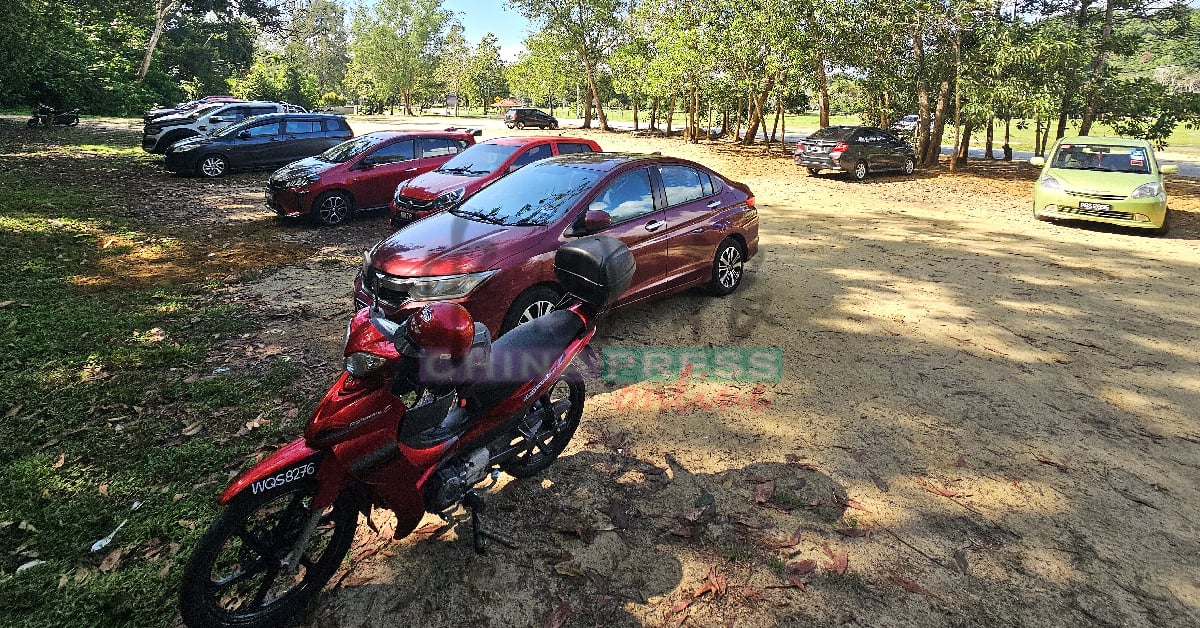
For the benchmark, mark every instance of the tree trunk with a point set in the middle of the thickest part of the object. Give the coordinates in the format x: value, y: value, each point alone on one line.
x: 1092, y: 90
x: 823, y: 88
x: 775, y: 126
x: 670, y: 114
x: 1037, y: 136
x: 635, y: 112
x: 757, y: 116
x: 939, y: 124
x: 923, y: 122
x: 1062, y: 114
x: 408, y: 103
x: 693, y: 117
x: 737, y: 130
x: 654, y: 113
x: 987, y: 153
x: 587, y: 113
x: 964, y: 146
x: 1007, y: 129
x: 163, y: 8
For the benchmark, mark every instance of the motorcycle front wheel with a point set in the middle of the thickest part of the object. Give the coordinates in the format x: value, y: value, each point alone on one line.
x: 235, y: 577
x: 547, y: 427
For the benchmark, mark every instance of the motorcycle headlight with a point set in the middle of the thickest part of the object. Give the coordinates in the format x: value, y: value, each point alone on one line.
x: 1147, y: 190
x: 437, y: 288
x: 1049, y: 183
x: 449, y: 198
x: 360, y: 364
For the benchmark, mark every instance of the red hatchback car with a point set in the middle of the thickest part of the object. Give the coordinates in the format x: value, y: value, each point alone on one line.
x: 474, y: 168
x: 686, y: 225
x: 362, y: 173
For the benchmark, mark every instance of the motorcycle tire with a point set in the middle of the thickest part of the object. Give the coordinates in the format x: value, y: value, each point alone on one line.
x: 547, y: 427
x: 31, y: 123
x: 234, y: 577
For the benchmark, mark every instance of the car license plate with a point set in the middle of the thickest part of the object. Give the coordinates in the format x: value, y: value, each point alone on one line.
x: 404, y: 215
x: 816, y: 149
x: 1100, y: 207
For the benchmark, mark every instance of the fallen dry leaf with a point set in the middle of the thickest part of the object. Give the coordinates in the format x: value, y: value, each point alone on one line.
x: 1054, y: 463
x: 908, y: 584
x: 944, y: 492
x: 752, y: 594
x: 752, y: 523
x: 191, y: 429
x: 855, y: 504
x: 839, y: 561
x: 764, y: 491
x: 12, y: 412
x: 62, y: 459
x: 559, y: 616
x: 801, y: 567
x: 103, y: 489
x: 570, y: 568
x: 854, y: 532
x: 110, y: 562
x: 681, y: 606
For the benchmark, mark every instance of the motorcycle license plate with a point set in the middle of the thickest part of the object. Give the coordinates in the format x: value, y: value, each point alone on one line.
x: 1101, y: 207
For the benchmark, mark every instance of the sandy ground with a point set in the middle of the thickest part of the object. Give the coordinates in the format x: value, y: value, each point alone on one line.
x: 982, y: 420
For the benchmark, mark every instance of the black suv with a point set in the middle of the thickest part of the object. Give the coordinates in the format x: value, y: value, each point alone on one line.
x: 854, y: 149
x: 521, y: 117
x: 262, y: 141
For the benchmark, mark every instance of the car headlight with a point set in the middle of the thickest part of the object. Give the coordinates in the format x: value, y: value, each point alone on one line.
x: 360, y: 364
x: 449, y: 198
x: 399, y: 191
x: 1049, y: 183
x: 300, y: 180
x: 183, y: 148
x: 435, y: 288
x: 1147, y: 190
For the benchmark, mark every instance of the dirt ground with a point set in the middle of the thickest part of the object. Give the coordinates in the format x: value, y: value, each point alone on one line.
x: 982, y: 420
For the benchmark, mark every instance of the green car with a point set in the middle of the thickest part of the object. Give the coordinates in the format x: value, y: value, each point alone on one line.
x: 1103, y: 179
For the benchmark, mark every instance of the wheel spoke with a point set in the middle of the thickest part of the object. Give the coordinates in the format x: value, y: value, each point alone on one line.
x: 241, y: 576
x: 268, y: 580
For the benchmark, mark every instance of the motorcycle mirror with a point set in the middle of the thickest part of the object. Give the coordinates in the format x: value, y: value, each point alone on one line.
x: 380, y: 321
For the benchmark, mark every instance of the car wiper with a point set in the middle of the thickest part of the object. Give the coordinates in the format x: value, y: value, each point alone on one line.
x: 527, y: 222
x: 476, y: 216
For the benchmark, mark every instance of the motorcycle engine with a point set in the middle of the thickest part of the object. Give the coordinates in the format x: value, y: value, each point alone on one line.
x: 451, y: 482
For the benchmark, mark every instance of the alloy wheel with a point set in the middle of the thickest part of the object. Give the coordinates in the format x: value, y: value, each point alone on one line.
x: 729, y: 267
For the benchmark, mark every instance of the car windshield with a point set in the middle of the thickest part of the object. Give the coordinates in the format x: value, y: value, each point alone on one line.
x: 1101, y: 158
x: 234, y: 128
x: 479, y: 159
x: 836, y: 133
x: 202, y: 109
x: 532, y: 196
x: 350, y: 149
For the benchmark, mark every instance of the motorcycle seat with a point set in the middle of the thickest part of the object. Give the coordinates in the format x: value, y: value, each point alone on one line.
x: 522, y: 355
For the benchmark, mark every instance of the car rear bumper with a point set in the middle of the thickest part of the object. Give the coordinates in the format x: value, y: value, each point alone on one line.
x: 824, y: 162
x: 1144, y: 213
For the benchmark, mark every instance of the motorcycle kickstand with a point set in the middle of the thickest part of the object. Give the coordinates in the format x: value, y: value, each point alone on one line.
x: 476, y: 505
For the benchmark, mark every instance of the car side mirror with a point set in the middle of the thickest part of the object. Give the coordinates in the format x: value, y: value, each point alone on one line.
x: 244, y: 134
x: 1169, y: 169
x: 216, y: 119
x: 1037, y: 161
x: 594, y: 220
x: 366, y: 163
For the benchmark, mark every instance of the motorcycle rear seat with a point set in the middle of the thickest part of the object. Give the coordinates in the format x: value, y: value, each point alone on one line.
x: 522, y: 355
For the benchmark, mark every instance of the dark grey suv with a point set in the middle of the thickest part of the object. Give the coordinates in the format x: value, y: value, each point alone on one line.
x: 521, y: 117
x: 854, y: 149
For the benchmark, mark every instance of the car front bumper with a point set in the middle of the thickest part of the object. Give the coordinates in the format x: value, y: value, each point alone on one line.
x: 1144, y: 213
x: 288, y: 202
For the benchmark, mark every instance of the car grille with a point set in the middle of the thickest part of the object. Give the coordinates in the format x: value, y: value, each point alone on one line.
x: 1099, y: 213
x: 275, y: 185
x: 407, y: 203
x: 376, y: 284
x: 1102, y: 197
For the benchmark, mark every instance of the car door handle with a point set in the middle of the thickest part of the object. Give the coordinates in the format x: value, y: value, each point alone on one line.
x: 714, y: 204
x: 410, y: 169
x: 653, y: 225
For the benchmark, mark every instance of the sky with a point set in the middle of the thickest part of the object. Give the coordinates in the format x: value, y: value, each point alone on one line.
x: 479, y: 17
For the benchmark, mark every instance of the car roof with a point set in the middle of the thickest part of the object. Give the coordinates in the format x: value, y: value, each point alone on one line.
x: 526, y: 140
x: 296, y: 114
x: 606, y: 162
x: 391, y: 133
x: 1102, y: 139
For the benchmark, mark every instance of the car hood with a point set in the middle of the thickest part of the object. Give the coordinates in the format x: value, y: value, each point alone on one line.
x: 189, y: 143
x: 310, y: 165
x: 428, y: 186
x: 445, y: 244
x: 1097, y: 182
x: 171, y: 120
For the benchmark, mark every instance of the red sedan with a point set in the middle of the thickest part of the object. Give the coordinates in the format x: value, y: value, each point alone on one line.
x: 686, y: 225
x: 360, y: 174
x: 474, y: 168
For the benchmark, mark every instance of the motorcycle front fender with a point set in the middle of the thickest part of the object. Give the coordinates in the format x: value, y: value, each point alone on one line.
x: 293, y: 462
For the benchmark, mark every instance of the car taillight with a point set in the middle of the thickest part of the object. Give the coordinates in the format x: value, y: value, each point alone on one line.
x: 750, y: 202
x: 839, y: 148
x: 799, y: 148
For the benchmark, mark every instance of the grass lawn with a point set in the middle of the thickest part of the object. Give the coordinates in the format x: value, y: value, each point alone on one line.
x: 111, y: 415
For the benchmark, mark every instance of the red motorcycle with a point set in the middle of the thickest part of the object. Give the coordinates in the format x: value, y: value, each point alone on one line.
x: 425, y: 410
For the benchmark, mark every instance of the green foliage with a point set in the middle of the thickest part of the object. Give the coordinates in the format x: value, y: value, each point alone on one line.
x: 276, y: 78
x: 395, y: 49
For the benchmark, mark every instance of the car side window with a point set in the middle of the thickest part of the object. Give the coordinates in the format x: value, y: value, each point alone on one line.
x: 437, y: 147
x: 888, y: 137
x: 396, y: 151
x: 258, y: 111
x: 566, y: 148
x: 627, y: 197
x: 681, y: 183
x: 300, y: 127
x: 706, y: 183
x: 541, y: 151
x: 267, y: 129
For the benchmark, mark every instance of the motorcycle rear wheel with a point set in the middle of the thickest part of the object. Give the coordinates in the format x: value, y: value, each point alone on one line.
x: 548, y: 427
x: 234, y: 577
